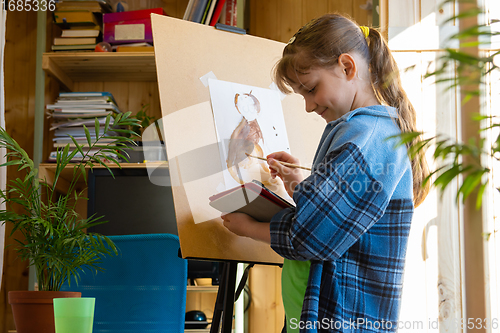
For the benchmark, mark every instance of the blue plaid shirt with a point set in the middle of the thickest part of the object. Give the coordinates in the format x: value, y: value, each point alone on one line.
x: 351, y: 221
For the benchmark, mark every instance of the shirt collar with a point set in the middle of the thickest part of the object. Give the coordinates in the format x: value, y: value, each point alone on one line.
x: 374, y: 110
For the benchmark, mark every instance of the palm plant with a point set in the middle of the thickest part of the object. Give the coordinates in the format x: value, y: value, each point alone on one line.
x: 54, y: 238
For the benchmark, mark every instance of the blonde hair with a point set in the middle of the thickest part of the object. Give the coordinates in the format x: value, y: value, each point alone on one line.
x: 319, y: 44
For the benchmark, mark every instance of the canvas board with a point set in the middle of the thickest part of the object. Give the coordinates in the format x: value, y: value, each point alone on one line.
x: 186, y: 53
x: 248, y: 119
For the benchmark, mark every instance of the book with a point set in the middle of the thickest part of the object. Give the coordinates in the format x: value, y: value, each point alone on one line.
x: 63, y: 141
x: 74, y: 41
x: 80, y: 33
x: 85, y: 94
x: 79, y: 122
x: 80, y: 18
x: 205, y: 12
x: 210, y: 12
x: 188, y: 10
x: 79, y: 114
x: 89, y: 5
x: 135, y: 49
x: 217, y: 12
x: 78, y: 157
x: 73, y: 47
x: 78, y: 132
x: 251, y: 198
x: 198, y: 10
x: 86, y: 101
x: 231, y: 14
x: 82, y: 108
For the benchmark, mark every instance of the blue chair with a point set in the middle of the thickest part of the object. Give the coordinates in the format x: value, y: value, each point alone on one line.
x: 143, y: 289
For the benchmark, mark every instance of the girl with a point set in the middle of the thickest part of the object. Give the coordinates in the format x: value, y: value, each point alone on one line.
x: 345, y: 242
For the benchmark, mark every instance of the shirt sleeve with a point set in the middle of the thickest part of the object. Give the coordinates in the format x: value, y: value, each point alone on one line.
x: 335, y: 206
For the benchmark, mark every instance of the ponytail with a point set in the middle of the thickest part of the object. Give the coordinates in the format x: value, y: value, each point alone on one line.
x: 389, y: 90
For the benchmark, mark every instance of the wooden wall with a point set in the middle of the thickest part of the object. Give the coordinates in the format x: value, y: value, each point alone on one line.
x: 19, y: 117
x: 280, y: 19
x: 274, y: 19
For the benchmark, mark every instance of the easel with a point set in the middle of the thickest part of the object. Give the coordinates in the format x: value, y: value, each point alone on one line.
x: 182, y: 61
x: 227, y: 295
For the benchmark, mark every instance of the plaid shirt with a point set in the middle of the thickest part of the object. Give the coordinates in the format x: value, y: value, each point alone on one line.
x: 352, y: 221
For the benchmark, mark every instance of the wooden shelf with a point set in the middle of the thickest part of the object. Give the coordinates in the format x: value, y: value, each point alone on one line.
x: 69, y: 67
x: 203, y: 289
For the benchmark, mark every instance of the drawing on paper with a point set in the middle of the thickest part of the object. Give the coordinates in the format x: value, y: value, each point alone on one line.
x: 247, y: 120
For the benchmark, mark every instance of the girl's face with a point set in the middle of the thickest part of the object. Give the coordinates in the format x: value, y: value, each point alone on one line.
x: 326, y: 91
x: 332, y: 92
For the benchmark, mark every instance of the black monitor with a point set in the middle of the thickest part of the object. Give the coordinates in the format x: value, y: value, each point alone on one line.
x: 132, y: 204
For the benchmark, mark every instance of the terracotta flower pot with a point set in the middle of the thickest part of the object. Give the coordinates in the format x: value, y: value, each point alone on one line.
x: 34, y: 311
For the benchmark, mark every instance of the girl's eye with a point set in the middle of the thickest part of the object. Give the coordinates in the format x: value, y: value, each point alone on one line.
x: 312, y: 90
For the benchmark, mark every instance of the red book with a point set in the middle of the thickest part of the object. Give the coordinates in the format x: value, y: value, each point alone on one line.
x: 217, y: 12
x: 231, y: 14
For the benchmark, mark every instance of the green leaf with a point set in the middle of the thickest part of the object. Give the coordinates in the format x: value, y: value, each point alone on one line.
x: 470, y: 183
x: 106, y: 125
x: 87, y: 135
x: 480, y: 193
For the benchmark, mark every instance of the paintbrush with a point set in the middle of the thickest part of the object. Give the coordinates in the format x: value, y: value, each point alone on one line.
x: 290, y: 165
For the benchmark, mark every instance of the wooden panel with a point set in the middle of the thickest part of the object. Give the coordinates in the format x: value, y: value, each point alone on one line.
x: 121, y: 93
x: 494, y: 243
x: 291, y: 18
x: 340, y: 6
x: 443, y: 120
x: 266, y: 313
x: 201, y: 301
x: 264, y: 19
x: 19, y: 116
x: 313, y: 9
x: 280, y: 19
x: 360, y: 15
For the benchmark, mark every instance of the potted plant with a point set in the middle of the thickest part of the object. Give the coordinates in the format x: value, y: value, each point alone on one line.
x: 54, y: 239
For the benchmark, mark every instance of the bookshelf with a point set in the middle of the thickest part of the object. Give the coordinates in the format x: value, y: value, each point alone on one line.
x: 71, y: 67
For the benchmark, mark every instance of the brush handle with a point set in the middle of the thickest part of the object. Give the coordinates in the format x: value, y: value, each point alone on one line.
x: 290, y: 165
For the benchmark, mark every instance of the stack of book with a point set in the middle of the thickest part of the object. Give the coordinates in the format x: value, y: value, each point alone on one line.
x: 72, y: 111
x: 81, y: 24
x: 206, y: 11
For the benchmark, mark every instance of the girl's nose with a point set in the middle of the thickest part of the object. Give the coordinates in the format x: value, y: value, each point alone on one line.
x: 310, y: 105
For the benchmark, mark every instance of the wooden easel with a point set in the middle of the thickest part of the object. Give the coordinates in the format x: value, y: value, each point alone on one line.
x: 185, y: 52
x: 227, y: 295
x: 224, y: 304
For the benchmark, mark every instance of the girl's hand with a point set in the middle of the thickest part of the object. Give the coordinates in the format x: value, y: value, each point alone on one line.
x: 291, y: 176
x: 243, y: 225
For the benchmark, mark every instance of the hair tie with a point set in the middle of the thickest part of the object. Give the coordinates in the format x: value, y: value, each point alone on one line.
x: 291, y: 40
x: 365, y: 30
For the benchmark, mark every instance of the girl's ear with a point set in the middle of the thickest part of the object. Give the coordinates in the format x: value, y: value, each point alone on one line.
x: 348, y: 65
